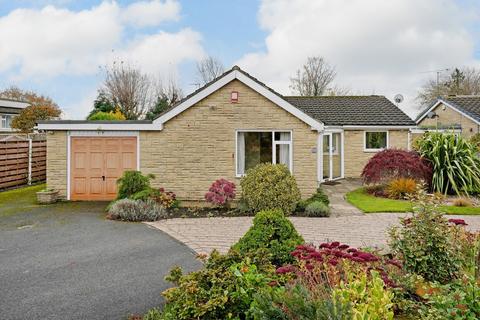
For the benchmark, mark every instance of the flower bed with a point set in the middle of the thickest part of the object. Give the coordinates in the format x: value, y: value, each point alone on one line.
x: 432, y: 272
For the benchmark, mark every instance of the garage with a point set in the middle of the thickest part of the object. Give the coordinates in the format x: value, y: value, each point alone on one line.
x: 97, y: 162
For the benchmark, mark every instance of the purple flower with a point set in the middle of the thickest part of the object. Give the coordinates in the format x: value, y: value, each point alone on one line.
x: 285, y: 269
x: 458, y: 222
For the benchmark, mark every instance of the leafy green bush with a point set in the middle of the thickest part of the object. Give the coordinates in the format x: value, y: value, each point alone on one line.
x: 475, y: 140
x: 223, y: 289
x: 271, y: 230
x: 297, y: 302
x: 136, y: 210
x: 425, y: 244
x: 456, y: 166
x: 153, y: 314
x: 167, y: 199
x: 368, y: 297
x: 270, y: 186
x: 318, y: 196
x: 107, y: 116
x: 317, y: 209
x: 132, y: 182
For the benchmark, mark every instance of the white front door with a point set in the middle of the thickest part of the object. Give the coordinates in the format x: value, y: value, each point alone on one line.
x: 332, y: 155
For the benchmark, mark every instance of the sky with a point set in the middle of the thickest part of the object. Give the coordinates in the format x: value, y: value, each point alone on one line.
x: 58, y: 48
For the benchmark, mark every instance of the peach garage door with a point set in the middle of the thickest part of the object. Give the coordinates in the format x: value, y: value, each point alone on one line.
x: 97, y: 163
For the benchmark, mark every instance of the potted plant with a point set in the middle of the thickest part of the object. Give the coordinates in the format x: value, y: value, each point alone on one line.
x: 47, y: 196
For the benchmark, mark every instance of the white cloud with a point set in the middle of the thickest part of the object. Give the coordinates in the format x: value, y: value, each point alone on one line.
x: 151, y: 13
x: 377, y: 46
x: 52, y: 41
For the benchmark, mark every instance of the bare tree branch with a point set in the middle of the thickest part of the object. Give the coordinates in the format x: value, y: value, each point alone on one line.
x: 208, y: 69
x: 314, y: 77
x: 464, y: 81
x: 128, y: 88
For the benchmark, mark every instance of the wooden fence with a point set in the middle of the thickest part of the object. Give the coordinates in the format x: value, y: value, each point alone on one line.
x: 22, y: 161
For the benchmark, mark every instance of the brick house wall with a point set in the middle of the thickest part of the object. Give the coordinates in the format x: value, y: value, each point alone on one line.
x: 355, y: 156
x: 198, y: 145
x: 57, y: 162
x: 448, y: 116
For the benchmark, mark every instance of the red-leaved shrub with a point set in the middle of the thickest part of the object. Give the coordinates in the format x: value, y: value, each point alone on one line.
x: 221, y: 192
x: 333, y: 262
x: 395, y: 163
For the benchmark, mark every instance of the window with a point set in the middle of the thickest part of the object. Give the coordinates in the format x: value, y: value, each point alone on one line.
x: 335, y: 144
x: 376, y: 140
x: 7, y: 121
x: 255, y: 147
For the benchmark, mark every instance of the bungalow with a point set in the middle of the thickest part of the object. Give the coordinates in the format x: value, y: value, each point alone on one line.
x: 8, y: 110
x: 221, y: 130
x: 460, y: 114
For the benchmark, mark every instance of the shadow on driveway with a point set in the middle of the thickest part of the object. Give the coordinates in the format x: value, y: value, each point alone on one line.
x: 65, y: 261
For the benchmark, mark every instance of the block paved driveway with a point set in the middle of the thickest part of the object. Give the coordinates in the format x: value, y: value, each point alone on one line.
x: 67, y: 262
x: 205, y: 234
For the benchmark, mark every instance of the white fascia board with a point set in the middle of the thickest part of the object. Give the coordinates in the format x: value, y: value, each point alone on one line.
x: 100, y: 126
x: 379, y: 127
x: 448, y: 105
x: 316, y: 125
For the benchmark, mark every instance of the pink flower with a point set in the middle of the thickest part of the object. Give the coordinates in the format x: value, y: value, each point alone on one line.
x: 458, y: 222
x: 285, y: 269
x: 343, y: 246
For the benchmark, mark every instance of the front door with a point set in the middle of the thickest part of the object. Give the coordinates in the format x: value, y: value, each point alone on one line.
x: 97, y: 163
x: 332, y: 155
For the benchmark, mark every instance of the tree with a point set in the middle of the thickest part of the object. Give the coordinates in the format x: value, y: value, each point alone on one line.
x: 313, y: 78
x: 102, y: 104
x: 128, y: 89
x: 29, y: 96
x: 28, y: 117
x: 208, y: 69
x: 166, y: 97
x: 41, y: 108
x: 462, y: 81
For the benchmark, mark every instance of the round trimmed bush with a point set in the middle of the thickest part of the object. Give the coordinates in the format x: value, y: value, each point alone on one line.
x: 317, y: 209
x: 270, y: 186
x: 272, y: 231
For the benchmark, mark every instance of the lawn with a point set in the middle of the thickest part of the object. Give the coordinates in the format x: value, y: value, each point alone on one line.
x: 21, y: 199
x: 370, y: 204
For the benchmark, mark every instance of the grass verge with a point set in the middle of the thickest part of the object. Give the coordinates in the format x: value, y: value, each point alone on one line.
x: 371, y: 204
x: 19, y: 200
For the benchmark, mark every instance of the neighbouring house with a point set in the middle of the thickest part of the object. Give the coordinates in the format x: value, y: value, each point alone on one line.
x: 8, y: 110
x: 220, y: 131
x: 460, y: 114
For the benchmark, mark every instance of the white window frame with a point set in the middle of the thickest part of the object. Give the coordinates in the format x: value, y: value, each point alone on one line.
x: 335, y: 149
x: 365, y: 149
x: 4, y: 121
x: 274, y: 147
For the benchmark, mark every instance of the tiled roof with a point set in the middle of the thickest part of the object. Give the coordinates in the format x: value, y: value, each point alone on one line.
x: 333, y: 110
x: 468, y: 104
x: 352, y: 110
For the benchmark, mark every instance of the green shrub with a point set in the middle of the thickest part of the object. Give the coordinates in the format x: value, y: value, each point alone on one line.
x: 271, y: 230
x: 456, y: 166
x: 318, y: 196
x: 153, y: 314
x: 317, y: 209
x: 223, y: 289
x: 145, y: 194
x: 132, y: 182
x: 425, y: 243
x: 475, y: 140
x: 106, y: 116
x: 136, y: 210
x: 368, y: 297
x: 270, y: 186
x: 297, y: 302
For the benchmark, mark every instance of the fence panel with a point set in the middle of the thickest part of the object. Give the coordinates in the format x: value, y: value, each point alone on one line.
x: 22, y: 162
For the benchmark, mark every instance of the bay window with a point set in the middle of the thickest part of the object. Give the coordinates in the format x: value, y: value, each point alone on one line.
x: 255, y: 147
